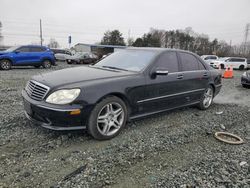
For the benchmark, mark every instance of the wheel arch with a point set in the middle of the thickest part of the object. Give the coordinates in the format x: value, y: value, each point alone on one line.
x: 6, y: 58
x: 121, y: 96
x: 213, y: 86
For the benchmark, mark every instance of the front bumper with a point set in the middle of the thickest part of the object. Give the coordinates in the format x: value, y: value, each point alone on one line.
x: 55, y: 117
x: 245, y: 80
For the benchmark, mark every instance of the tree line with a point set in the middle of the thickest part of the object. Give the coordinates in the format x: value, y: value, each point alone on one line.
x: 186, y: 39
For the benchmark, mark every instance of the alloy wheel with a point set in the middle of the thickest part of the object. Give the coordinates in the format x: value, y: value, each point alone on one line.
x: 110, y: 119
x: 5, y: 65
x: 208, y: 97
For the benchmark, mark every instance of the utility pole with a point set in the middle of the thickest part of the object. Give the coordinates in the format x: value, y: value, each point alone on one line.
x: 245, y: 37
x: 128, y: 41
x: 41, y: 33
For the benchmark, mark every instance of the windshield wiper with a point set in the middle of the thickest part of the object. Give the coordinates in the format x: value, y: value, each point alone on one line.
x: 116, y: 68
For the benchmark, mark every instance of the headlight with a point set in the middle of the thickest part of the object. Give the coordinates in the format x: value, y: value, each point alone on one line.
x: 63, y: 96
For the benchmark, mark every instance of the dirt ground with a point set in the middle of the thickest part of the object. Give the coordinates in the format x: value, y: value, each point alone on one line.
x: 172, y: 149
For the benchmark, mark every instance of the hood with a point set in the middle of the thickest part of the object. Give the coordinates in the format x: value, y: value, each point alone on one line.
x: 77, y: 74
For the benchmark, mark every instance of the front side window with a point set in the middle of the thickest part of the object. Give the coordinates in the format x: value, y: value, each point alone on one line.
x: 24, y: 49
x: 131, y: 60
x: 189, y: 62
x: 168, y: 61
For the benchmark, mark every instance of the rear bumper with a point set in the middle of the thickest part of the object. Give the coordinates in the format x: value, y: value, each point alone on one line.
x: 54, y: 117
x: 245, y: 81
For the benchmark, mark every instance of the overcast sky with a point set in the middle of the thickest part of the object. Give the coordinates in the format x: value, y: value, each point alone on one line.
x: 87, y: 20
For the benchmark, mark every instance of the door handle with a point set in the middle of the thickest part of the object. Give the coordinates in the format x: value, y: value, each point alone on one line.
x: 180, y: 76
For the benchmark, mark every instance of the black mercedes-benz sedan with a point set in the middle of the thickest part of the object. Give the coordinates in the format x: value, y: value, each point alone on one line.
x: 128, y: 84
x: 245, y: 79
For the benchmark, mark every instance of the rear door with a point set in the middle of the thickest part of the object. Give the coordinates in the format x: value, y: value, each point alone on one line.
x: 163, y: 91
x: 37, y: 53
x: 195, y: 76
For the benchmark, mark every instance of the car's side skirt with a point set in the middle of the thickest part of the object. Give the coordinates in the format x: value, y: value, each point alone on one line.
x: 160, y: 111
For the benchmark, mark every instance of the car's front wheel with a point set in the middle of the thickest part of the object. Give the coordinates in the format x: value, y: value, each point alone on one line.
x: 46, y: 64
x: 207, y: 98
x: 107, y: 118
x: 5, y: 64
x: 241, y: 67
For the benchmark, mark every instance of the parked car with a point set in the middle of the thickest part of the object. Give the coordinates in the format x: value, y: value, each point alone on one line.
x: 61, y: 54
x: 245, y: 79
x: 209, y: 58
x: 126, y: 85
x: 30, y: 55
x: 235, y: 62
x: 81, y: 58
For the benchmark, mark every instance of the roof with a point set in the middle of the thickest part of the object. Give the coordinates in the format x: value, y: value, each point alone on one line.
x: 101, y: 45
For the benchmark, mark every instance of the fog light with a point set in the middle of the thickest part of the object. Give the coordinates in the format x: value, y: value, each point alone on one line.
x: 75, y: 112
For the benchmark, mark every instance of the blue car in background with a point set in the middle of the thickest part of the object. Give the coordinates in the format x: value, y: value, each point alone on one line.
x: 29, y: 55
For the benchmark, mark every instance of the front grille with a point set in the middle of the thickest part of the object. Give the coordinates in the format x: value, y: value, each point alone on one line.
x: 36, y: 90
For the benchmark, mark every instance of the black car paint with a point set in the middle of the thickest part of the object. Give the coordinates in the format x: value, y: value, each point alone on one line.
x: 245, y: 80
x: 143, y: 94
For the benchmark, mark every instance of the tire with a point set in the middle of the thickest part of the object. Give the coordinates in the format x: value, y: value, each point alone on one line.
x: 245, y: 86
x: 207, y: 98
x: 112, y: 115
x: 241, y: 67
x: 37, y: 66
x: 46, y: 64
x: 5, y: 64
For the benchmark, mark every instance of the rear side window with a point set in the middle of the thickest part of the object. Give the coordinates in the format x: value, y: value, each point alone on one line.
x: 210, y: 57
x: 168, y: 61
x: 37, y: 49
x: 189, y: 62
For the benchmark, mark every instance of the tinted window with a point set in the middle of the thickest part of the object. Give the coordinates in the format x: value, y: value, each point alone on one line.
x: 168, y: 61
x: 210, y: 57
x: 37, y: 49
x: 237, y: 60
x: 24, y: 49
x: 189, y: 62
x: 201, y: 65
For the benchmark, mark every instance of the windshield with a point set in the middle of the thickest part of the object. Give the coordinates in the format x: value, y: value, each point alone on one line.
x: 131, y: 60
x: 12, y: 49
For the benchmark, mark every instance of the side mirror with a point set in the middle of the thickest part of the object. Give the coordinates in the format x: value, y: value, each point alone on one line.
x: 159, y: 72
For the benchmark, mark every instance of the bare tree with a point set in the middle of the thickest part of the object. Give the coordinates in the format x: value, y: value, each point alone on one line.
x: 53, y: 43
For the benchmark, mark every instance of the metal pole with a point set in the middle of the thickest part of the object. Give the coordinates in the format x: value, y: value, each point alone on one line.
x: 41, y: 35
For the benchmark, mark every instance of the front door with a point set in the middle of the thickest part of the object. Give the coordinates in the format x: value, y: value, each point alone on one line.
x: 163, y: 91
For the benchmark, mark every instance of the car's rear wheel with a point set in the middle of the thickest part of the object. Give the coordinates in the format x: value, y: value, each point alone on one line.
x: 46, y: 64
x: 241, y: 67
x: 245, y: 86
x: 107, y: 118
x: 5, y: 64
x: 207, y: 98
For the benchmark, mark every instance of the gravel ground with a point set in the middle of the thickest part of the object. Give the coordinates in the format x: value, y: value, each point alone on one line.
x: 172, y: 149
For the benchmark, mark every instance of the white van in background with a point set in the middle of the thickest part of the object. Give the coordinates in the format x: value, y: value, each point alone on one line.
x: 236, y: 62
